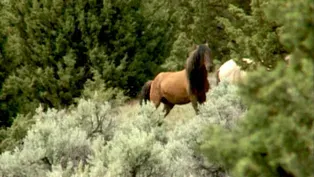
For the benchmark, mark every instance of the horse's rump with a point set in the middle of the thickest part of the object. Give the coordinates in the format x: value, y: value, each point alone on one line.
x: 170, y: 87
x: 217, y: 77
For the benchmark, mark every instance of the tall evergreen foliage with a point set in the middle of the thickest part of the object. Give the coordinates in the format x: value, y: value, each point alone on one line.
x: 251, y: 35
x: 50, y: 48
x: 198, y: 21
x: 55, y: 45
x: 5, y: 63
x: 54, y: 51
x: 275, y: 137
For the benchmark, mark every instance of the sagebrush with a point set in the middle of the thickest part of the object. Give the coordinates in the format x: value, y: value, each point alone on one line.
x: 92, y: 139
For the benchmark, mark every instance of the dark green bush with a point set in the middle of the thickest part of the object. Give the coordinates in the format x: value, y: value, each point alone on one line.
x: 275, y: 137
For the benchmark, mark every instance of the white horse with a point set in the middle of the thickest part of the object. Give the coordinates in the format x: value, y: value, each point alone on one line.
x: 232, y: 73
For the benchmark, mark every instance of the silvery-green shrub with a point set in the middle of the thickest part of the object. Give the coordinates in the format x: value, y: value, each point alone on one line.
x: 92, y: 140
x: 59, y: 138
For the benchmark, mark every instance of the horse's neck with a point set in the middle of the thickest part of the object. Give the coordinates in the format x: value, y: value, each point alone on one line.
x: 199, y: 79
x: 204, y: 72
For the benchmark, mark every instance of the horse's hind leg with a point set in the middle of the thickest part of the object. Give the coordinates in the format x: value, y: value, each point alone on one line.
x: 155, y: 98
x: 156, y: 103
x: 167, y: 108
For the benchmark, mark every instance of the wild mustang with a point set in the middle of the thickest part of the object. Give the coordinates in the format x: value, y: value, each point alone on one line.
x: 181, y: 87
x: 231, y: 72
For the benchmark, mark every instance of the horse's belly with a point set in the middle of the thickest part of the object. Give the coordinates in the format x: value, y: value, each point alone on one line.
x: 176, y: 98
x: 175, y: 91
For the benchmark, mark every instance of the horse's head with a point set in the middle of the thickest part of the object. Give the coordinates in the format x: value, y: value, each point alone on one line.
x: 287, y: 59
x: 208, y: 62
x: 201, y: 56
x: 206, y: 59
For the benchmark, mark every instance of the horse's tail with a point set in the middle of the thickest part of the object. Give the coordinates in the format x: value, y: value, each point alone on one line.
x: 144, y: 95
x: 217, y: 77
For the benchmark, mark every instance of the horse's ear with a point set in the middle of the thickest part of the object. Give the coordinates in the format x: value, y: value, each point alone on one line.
x: 195, y: 46
x: 287, y: 58
x: 206, y: 43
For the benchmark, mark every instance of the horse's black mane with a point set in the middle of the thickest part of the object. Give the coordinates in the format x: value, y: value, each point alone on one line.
x: 195, y: 68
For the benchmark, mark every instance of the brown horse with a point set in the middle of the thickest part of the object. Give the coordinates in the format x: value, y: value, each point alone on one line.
x: 181, y: 87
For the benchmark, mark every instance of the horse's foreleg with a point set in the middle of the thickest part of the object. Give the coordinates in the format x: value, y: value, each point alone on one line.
x: 201, y: 98
x: 193, y: 99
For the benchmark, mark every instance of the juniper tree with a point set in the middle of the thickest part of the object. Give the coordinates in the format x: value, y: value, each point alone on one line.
x: 5, y: 64
x: 57, y: 44
x: 197, y: 21
x: 275, y: 137
x: 251, y: 35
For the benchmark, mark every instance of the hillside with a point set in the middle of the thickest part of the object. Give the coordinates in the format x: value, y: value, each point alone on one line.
x: 71, y: 71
